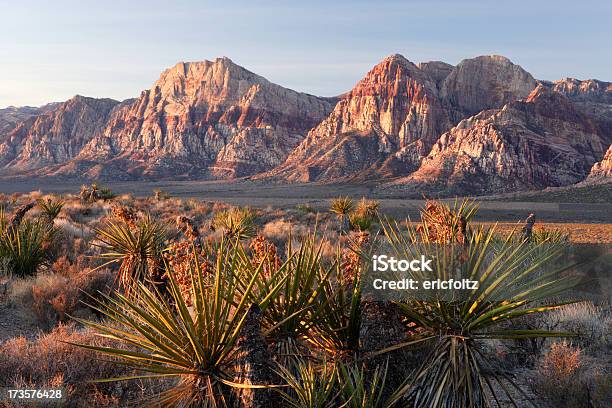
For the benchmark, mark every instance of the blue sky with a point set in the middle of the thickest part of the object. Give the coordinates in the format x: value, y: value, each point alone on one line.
x: 52, y: 50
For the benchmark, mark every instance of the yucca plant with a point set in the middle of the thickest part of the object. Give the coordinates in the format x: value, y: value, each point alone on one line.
x: 290, y: 314
x: 137, y: 249
x: 360, y: 390
x: 342, y: 207
x: 50, y: 208
x: 161, y: 336
x: 514, y: 279
x: 310, y: 385
x: 360, y: 222
x: 236, y: 222
x: 444, y: 223
x: 26, y: 246
x: 368, y: 208
x: 336, y: 328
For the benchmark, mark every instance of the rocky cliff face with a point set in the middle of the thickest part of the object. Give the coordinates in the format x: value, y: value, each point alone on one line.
x: 388, y: 123
x: 207, y: 118
x: 593, y: 98
x: 383, y: 126
x: 537, y: 142
x: 602, y: 171
x: 12, y: 116
x: 55, y: 136
x: 484, y: 82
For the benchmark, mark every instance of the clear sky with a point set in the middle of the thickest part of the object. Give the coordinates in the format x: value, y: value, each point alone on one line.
x: 52, y: 50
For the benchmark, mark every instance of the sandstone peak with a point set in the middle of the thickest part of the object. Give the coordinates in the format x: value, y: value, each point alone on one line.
x: 484, y: 82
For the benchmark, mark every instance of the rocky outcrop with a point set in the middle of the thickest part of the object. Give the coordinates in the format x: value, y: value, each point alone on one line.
x: 56, y: 136
x: 10, y: 117
x: 207, y: 118
x: 484, y: 82
x: 537, y: 142
x: 593, y: 98
x: 602, y: 171
x: 438, y: 71
x: 388, y: 121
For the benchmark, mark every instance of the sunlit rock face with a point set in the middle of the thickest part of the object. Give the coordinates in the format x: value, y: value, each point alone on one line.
x: 602, y: 171
x: 540, y: 141
x: 482, y: 83
x: 208, y: 119
x: 485, y: 125
x: 382, y: 127
x: 55, y: 134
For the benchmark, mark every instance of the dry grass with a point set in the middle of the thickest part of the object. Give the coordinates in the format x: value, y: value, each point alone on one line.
x: 49, y: 361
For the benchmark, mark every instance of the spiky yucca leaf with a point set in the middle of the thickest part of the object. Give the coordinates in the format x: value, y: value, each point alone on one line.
x: 515, y: 278
x: 296, y: 282
x: 236, y: 222
x: 363, y: 391
x: 310, y: 385
x: 342, y: 206
x: 166, y: 338
x: 336, y: 329
x: 137, y: 250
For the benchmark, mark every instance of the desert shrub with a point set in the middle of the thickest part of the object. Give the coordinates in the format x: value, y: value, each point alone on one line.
x: 360, y: 222
x: 592, y: 325
x: 305, y: 209
x: 94, y: 193
x: 50, y: 361
x: 559, y: 377
x: 280, y: 229
x: 53, y: 297
x: 160, y: 195
x: 541, y: 235
x: 235, y: 222
x: 367, y: 208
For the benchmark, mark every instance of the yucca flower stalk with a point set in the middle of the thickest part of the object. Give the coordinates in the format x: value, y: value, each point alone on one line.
x: 514, y: 279
x: 136, y: 246
x: 162, y: 337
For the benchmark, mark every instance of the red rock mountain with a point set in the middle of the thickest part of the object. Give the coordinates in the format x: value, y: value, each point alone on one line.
x: 602, y: 171
x: 485, y: 125
x: 56, y: 136
x: 484, y: 82
x: 540, y: 141
x: 199, y: 119
x: 387, y: 122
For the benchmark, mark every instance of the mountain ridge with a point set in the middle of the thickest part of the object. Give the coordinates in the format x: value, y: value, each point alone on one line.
x: 218, y: 120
